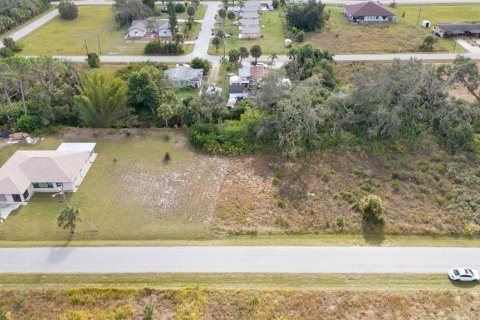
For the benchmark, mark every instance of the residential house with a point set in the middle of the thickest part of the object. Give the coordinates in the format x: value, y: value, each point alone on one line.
x: 456, y: 29
x: 249, y: 23
x: 184, y: 76
x: 31, y: 171
x: 372, y: 11
x: 249, y: 15
x: 249, y: 33
x: 150, y: 28
x: 237, y: 91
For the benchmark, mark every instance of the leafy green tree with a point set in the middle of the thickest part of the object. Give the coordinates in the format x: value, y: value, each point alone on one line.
x: 199, y: 63
x: 191, y: 10
x: 307, y: 16
x: 465, y: 71
x: 273, y: 56
x: 256, y: 52
x: 102, y: 101
x: 68, y: 218
x: 11, y: 44
x: 128, y: 10
x: 150, y: 4
x: 275, y: 4
x: 68, y: 10
x: 172, y: 17
x: 93, y: 60
x: 231, y: 16
x: 144, y: 94
x: 233, y: 56
x: 222, y: 13
x: 216, y: 42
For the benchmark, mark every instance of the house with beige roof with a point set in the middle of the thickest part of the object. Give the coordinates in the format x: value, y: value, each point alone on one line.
x: 31, y: 171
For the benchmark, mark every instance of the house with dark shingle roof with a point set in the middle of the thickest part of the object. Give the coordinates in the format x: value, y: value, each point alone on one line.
x: 372, y: 11
x: 456, y: 29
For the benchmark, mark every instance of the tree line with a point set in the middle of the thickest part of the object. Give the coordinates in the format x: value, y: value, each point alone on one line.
x: 16, y: 12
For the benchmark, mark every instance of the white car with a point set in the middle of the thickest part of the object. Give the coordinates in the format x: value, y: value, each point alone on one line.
x: 463, y: 274
x: 262, y: 65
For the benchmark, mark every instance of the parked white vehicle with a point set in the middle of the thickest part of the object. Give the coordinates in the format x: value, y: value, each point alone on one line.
x: 463, y: 274
x: 261, y: 64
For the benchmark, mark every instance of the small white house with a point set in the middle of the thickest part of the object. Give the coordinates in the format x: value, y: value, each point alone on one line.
x: 31, y: 171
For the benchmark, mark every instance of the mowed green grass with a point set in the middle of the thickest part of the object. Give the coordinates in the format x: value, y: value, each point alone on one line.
x: 65, y: 37
x: 137, y: 196
x: 271, y: 28
x: 342, y: 37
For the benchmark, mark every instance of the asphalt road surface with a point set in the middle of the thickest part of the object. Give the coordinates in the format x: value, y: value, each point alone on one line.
x: 236, y: 259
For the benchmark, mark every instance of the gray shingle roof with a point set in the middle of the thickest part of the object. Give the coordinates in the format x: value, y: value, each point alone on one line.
x: 459, y: 28
x: 365, y: 9
x: 184, y: 73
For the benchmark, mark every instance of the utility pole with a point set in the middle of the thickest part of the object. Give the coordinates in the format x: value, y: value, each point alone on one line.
x: 419, y: 13
x: 99, y: 46
x: 86, y: 47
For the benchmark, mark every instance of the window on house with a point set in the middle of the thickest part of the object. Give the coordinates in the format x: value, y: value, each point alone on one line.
x: 59, y: 184
x: 43, y: 185
x: 16, y: 198
x: 25, y: 195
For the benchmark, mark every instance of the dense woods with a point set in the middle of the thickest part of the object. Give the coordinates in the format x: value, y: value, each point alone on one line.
x: 16, y: 12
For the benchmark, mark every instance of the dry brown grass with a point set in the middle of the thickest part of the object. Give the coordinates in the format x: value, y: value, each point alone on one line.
x: 312, y: 187
x: 199, y: 303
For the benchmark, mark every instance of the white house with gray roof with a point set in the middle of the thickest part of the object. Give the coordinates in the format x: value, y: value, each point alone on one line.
x: 184, y: 76
x: 150, y: 28
x: 31, y: 171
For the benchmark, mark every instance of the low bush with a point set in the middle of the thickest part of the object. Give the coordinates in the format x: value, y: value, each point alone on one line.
x: 166, y: 47
x: 28, y: 123
x: 373, y: 210
x: 68, y: 10
x: 340, y: 221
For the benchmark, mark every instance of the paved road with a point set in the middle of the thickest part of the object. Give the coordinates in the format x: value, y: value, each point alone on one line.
x: 236, y: 259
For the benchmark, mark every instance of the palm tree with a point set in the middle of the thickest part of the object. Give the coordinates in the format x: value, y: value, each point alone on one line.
x: 216, y: 42
x: 231, y: 16
x: 243, y: 53
x: 273, y: 56
x: 68, y: 218
x: 256, y: 52
x: 222, y: 13
x: 103, y: 100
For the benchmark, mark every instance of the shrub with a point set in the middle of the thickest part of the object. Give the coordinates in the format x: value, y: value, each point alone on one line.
x: 68, y: 10
x: 28, y: 123
x: 350, y: 197
x: 282, y: 223
x: 179, y: 8
x: 159, y: 47
x: 93, y: 60
x: 275, y: 180
x: 167, y: 157
x: 340, y: 221
x: 148, y: 312
x: 373, y: 210
x: 396, y: 175
x: 281, y: 203
x: 301, y: 36
x: 275, y: 4
x: 396, y: 185
x: 198, y: 63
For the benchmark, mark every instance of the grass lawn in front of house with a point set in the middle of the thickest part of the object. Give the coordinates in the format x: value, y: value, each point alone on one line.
x: 129, y: 192
x: 271, y: 25
x: 343, y: 37
x: 67, y: 37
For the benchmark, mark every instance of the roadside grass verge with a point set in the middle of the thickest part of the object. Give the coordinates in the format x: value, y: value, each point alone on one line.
x: 264, y: 240
x: 199, y: 14
x: 237, y: 280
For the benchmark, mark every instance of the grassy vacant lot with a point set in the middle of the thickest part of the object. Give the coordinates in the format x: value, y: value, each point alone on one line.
x: 63, y: 37
x: 224, y: 303
x: 342, y: 37
x: 136, y: 196
x: 272, y: 30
